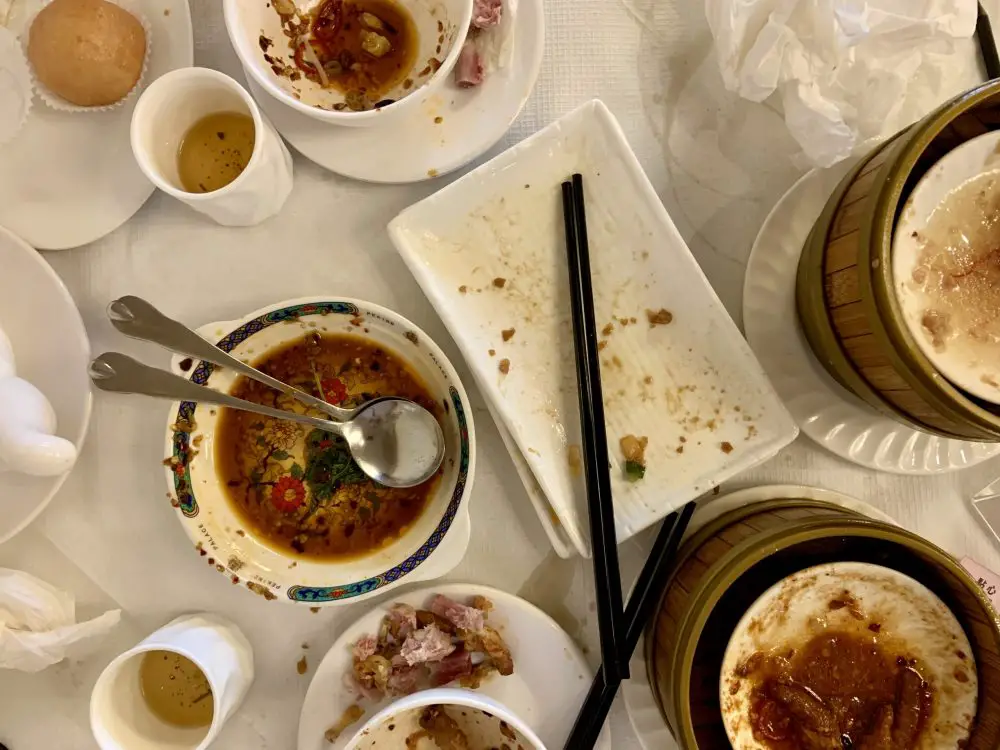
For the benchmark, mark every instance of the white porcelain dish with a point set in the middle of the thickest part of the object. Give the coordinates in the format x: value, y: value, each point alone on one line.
x: 692, y: 387
x: 910, y: 616
x: 485, y: 722
x: 827, y: 413
x: 550, y: 681
x: 416, y: 146
x: 431, y: 547
x: 53, y: 353
x: 965, y: 171
x: 99, y: 185
x: 259, y: 37
x: 643, y: 712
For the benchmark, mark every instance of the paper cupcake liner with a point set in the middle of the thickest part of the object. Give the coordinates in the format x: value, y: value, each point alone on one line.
x: 15, y: 87
x: 55, y: 101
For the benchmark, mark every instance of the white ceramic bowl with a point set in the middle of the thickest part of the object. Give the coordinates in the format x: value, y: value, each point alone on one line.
x: 499, y: 728
x: 798, y: 607
x: 250, y: 20
x: 429, y: 548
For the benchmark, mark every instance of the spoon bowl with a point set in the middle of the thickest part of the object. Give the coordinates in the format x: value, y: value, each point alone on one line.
x: 396, y: 442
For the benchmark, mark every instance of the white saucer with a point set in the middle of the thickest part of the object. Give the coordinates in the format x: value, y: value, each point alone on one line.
x: 69, y: 178
x: 52, y: 352
x: 550, y: 681
x: 643, y: 712
x: 416, y: 148
x: 834, y: 418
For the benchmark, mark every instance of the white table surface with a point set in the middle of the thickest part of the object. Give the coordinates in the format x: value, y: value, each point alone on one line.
x: 719, y: 164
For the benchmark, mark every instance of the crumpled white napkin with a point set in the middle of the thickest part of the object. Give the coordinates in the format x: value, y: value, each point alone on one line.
x: 846, y: 71
x: 38, y: 623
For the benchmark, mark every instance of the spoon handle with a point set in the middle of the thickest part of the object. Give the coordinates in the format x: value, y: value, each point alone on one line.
x: 138, y: 319
x: 119, y: 373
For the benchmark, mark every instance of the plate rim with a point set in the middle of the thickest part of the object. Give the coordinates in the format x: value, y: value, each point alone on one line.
x: 88, y: 404
x: 596, y: 113
x: 85, y: 239
x: 533, y: 24
x: 637, y: 692
x: 455, y: 516
x: 375, y: 614
x: 761, y: 248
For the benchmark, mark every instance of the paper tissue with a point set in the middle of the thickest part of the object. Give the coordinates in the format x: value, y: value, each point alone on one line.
x: 847, y: 72
x: 38, y: 624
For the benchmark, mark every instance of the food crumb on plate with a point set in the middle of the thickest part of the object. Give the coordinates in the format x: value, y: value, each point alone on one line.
x: 438, y: 120
x: 302, y: 666
x: 648, y: 380
x: 575, y: 459
x: 726, y: 447
x: 607, y: 330
x: 352, y: 714
x: 601, y: 345
x: 659, y: 317
x: 505, y: 366
x: 507, y: 333
x: 463, y: 289
x: 634, y: 450
x: 499, y: 282
x: 493, y: 352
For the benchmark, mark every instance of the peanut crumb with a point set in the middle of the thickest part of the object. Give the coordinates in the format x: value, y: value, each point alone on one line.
x: 463, y: 289
x: 504, y: 366
x: 726, y: 447
x: 606, y: 331
x: 499, y: 282
x: 507, y: 333
x: 660, y: 317
x: 493, y: 352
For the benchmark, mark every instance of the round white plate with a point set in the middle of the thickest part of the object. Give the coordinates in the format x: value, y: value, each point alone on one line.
x: 973, y: 166
x: 69, y: 178
x: 647, y: 721
x: 550, y: 681
x: 52, y: 351
x: 414, y: 147
x: 827, y: 413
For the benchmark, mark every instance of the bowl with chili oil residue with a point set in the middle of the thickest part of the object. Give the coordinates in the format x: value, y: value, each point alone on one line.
x: 349, y: 62
x: 848, y: 653
x: 730, y: 562
x: 282, y: 509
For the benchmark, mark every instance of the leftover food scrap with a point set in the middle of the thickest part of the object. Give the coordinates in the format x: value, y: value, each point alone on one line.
x: 351, y: 715
x: 418, y: 649
x: 634, y: 451
x: 504, y: 366
x: 840, y: 690
x: 659, y: 317
x: 88, y: 52
x: 470, y: 70
x: 297, y: 488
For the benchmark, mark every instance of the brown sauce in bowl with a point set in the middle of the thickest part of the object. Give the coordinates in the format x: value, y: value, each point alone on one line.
x: 365, y: 47
x: 297, y: 488
x: 840, y: 691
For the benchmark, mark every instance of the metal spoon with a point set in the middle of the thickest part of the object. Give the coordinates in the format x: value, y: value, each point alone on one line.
x: 390, y: 438
x: 138, y: 319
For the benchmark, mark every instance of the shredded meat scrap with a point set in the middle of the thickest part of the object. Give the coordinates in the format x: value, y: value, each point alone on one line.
x: 417, y: 649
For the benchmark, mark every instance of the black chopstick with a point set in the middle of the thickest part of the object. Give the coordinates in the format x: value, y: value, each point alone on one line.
x: 652, y: 578
x: 987, y: 44
x: 604, y: 544
x: 649, y: 586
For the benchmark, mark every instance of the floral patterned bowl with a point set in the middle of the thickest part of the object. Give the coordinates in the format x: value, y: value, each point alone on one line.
x: 428, y: 549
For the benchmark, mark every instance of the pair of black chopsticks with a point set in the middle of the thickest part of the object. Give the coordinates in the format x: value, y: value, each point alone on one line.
x: 620, y: 627
x: 987, y: 44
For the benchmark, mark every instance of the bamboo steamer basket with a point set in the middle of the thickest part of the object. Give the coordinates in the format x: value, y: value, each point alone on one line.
x: 729, y: 563
x: 845, y: 289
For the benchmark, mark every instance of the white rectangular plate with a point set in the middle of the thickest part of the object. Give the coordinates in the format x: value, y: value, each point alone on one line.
x: 692, y: 387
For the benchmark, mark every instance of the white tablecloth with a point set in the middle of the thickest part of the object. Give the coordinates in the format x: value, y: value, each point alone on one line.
x: 719, y: 164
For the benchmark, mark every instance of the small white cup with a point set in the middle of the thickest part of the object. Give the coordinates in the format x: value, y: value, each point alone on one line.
x: 166, y: 111
x: 119, y: 717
